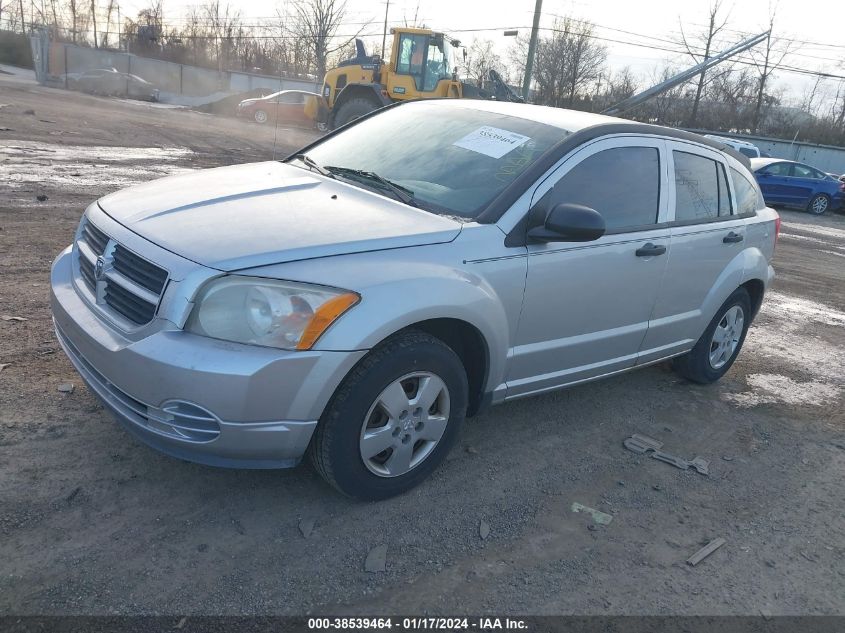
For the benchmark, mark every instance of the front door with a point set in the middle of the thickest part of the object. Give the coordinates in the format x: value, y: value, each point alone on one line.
x: 774, y: 182
x: 587, y: 305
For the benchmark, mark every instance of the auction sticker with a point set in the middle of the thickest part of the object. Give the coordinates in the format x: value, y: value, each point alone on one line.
x: 491, y: 141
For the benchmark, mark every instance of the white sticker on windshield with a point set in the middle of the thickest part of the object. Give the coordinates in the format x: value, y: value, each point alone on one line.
x: 491, y: 141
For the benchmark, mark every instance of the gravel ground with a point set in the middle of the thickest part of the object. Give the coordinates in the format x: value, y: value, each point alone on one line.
x: 94, y: 523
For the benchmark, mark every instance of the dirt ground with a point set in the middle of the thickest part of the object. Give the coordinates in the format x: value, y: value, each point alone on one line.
x: 92, y: 522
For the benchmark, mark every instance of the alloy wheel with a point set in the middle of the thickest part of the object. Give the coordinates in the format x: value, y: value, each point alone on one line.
x: 404, y: 424
x: 726, y: 337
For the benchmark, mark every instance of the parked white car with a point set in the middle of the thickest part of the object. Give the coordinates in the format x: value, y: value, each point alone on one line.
x: 743, y: 147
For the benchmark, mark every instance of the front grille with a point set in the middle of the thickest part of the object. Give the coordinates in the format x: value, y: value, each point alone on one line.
x: 129, y: 285
x: 139, y: 270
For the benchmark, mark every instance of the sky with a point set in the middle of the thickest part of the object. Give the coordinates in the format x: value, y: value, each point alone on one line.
x: 818, y: 44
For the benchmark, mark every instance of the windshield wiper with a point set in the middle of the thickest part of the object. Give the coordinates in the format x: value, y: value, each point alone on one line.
x: 313, y: 164
x: 404, y: 194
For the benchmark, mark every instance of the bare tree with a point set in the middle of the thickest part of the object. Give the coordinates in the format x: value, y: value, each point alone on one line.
x: 94, y: 21
x: 715, y: 25
x: 767, y: 63
x: 567, y: 62
x: 317, y: 22
x: 481, y: 59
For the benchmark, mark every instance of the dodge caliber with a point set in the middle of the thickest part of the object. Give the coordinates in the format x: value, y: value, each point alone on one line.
x: 356, y: 301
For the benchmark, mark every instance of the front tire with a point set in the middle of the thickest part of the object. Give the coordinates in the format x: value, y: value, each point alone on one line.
x: 260, y: 117
x: 353, y: 109
x: 718, y: 347
x: 818, y: 204
x: 393, y: 419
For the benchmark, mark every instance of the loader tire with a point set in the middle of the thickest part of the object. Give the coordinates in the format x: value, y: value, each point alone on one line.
x: 353, y: 109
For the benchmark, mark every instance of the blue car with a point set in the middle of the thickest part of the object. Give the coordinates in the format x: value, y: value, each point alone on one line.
x: 793, y: 184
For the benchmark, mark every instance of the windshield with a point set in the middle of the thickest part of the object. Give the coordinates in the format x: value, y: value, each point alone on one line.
x: 450, y: 158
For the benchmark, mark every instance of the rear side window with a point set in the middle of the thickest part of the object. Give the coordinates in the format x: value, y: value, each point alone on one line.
x: 623, y: 184
x: 751, y: 153
x: 803, y: 171
x: 747, y: 198
x: 701, y: 191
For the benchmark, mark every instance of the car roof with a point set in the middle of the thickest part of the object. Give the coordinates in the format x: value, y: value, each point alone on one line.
x: 757, y: 163
x: 574, y: 121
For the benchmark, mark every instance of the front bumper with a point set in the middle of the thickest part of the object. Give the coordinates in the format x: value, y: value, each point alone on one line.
x: 195, y: 398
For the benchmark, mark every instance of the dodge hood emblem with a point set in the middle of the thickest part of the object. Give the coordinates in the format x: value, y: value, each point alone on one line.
x: 99, y: 268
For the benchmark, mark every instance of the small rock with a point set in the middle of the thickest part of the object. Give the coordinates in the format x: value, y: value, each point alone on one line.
x: 771, y: 563
x: 656, y: 487
x: 73, y: 494
x: 727, y: 458
x: 30, y: 111
x: 306, y: 526
x: 483, y: 529
x: 376, y: 560
x: 592, y: 527
x: 4, y: 365
x: 6, y: 129
x: 202, y: 547
x: 472, y: 450
x: 66, y: 387
x: 6, y: 317
x: 620, y: 483
x: 181, y: 623
x: 41, y: 198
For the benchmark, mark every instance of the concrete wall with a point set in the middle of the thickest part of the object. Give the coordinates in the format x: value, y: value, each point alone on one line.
x: 828, y: 158
x: 178, y: 83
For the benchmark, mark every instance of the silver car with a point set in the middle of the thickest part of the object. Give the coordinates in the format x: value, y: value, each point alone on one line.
x: 361, y: 298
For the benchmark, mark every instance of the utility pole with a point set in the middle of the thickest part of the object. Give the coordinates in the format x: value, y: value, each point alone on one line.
x: 532, y: 48
x: 384, y: 35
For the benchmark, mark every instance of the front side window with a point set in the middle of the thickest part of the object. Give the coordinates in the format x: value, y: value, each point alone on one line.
x: 747, y: 198
x: 622, y: 184
x: 701, y: 191
x: 776, y: 169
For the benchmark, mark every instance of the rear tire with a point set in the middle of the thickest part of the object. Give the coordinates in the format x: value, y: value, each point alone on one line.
x: 819, y: 204
x: 353, y: 109
x: 714, y: 353
x: 357, y: 410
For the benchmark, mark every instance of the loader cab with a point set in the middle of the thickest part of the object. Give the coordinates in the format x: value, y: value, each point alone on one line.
x: 420, y: 61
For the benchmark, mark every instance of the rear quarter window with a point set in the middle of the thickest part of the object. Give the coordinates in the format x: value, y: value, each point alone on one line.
x: 748, y: 198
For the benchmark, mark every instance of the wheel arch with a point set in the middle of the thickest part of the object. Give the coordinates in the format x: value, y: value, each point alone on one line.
x: 469, y: 344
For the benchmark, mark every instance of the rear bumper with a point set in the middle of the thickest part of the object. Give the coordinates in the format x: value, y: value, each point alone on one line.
x: 195, y: 398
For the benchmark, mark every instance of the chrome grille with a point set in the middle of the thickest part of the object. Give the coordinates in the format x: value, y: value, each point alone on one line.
x: 139, y: 270
x: 128, y: 285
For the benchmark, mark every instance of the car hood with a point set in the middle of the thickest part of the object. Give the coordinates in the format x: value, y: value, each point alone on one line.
x: 268, y: 213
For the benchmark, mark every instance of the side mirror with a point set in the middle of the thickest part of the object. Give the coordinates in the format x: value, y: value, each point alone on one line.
x: 569, y: 223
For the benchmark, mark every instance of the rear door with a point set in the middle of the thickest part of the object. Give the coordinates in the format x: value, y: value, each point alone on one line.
x: 706, y: 235
x: 805, y: 182
x: 587, y: 305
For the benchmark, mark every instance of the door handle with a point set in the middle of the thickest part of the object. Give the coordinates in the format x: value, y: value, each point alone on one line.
x: 650, y: 250
x: 732, y: 238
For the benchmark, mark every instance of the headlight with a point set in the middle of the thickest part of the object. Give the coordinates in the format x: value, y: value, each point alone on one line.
x: 281, y: 314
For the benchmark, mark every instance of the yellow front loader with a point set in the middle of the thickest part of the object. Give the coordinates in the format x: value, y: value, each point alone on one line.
x: 422, y: 65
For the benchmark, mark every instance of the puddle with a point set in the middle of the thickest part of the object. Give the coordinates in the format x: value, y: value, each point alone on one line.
x: 779, y: 389
x: 80, y: 167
